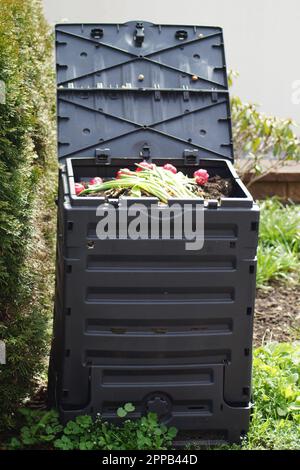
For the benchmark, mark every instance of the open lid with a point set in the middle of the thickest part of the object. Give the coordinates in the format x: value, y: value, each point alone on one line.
x: 142, y: 90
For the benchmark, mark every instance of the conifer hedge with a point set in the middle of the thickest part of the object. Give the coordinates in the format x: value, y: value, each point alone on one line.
x: 27, y: 172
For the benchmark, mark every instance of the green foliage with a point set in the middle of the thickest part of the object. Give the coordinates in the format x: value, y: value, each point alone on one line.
x: 279, y: 242
x: 279, y: 434
x: 276, y: 381
x: 275, y: 422
x: 26, y: 150
x: 43, y: 428
x: 276, y: 396
x: 257, y: 137
x: 275, y: 264
x: 280, y: 224
x: 123, y: 411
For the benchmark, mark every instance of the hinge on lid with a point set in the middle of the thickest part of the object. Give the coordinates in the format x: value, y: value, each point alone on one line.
x: 190, y: 156
x: 139, y: 34
x: 181, y: 35
x: 102, y: 156
x: 97, y: 33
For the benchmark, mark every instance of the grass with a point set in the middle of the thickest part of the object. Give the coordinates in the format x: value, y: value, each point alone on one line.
x: 279, y: 243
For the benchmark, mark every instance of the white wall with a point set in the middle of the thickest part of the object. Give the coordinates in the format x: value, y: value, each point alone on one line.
x: 262, y: 38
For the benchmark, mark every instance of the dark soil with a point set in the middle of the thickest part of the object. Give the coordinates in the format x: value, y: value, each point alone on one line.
x: 277, y: 314
x: 217, y: 187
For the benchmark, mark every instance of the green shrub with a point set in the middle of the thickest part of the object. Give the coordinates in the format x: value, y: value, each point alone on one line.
x: 257, y: 136
x: 26, y: 156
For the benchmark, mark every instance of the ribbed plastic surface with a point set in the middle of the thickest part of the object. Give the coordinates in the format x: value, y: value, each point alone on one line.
x: 166, y: 92
x: 146, y: 321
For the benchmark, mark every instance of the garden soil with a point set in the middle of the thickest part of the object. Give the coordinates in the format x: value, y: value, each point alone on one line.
x: 277, y: 314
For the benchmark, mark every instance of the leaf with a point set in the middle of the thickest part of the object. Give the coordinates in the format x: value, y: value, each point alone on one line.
x: 64, y: 443
x: 294, y: 407
x: 172, y: 432
x: 163, y: 428
x: 257, y: 169
x: 86, y: 445
x: 15, y: 444
x: 135, y: 192
x: 129, y: 407
x: 281, y: 412
x: 256, y: 144
x: 72, y: 428
x: 121, y: 412
x: 84, y: 421
x: 49, y: 437
x: 152, y: 418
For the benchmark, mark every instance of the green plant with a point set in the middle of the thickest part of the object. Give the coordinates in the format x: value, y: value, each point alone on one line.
x: 258, y: 137
x: 275, y: 422
x: 275, y: 264
x: 276, y: 381
x: 43, y: 429
x: 276, y: 396
x: 280, y: 224
x: 80, y: 434
x: 40, y: 430
x: 279, y: 242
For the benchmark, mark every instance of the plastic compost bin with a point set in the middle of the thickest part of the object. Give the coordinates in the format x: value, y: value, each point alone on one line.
x: 146, y: 321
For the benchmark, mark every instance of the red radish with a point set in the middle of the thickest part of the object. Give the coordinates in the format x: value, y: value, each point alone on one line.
x: 146, y: 166
x: 97, y: 180
x: 201, y: 177
x: 170, y: 168
x: 121, y: 172
x: 79, y: 188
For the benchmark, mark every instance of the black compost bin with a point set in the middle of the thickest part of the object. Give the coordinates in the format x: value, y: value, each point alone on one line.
x: 146, y: 321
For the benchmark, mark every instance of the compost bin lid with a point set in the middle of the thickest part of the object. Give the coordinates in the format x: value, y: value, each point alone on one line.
x: 139, y: 89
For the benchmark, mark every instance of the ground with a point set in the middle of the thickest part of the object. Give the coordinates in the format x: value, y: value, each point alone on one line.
x: 277, y: 314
